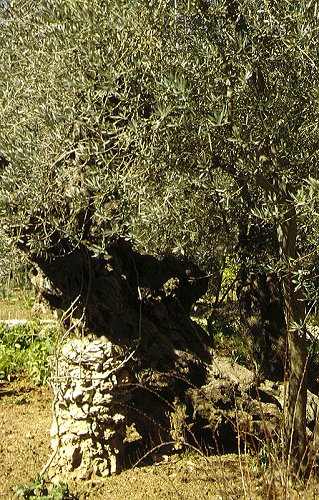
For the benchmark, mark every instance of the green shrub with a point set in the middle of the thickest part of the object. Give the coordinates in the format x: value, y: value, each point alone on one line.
x: 26, y: 348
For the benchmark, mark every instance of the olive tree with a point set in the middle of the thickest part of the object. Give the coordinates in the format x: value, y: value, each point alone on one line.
x: 179, y: 125
x: 243, y: 101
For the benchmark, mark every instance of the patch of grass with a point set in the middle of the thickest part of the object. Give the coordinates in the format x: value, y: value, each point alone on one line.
x: 229, y: 341
x: 40, y: 488
x: 14, y: 309
x: 26, y: 348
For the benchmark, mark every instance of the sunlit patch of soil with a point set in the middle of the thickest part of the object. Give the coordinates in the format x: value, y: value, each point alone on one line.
x: 25, y: 420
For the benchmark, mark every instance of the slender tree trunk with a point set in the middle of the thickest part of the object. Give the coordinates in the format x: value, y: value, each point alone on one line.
x: 295, y: 424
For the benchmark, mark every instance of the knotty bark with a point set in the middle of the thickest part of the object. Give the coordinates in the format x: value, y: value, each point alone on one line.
x: 141, y: 306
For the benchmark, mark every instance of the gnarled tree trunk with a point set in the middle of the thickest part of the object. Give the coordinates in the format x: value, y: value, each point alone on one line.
x: 129, y: 358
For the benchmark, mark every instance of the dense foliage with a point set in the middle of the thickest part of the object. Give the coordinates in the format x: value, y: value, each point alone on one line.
x: 97, y: 86
x: 26, y: 348
x: 160, y: 123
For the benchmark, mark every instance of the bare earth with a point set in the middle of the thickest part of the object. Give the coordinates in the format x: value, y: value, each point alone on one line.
x: 25, y: 420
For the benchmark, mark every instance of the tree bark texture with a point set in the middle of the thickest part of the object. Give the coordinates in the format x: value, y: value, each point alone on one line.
x: 141, y: 306
x: 261, y: 302
x: 296, y: 443
x: 262, y: 314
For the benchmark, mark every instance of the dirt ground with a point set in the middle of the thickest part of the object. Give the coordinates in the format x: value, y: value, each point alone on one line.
x: 25, y: 420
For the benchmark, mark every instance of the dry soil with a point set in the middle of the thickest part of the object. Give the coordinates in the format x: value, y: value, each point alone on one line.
x: 25, y: 420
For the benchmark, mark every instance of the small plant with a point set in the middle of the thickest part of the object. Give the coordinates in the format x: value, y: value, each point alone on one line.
x: 24, y: 348
x: 40, y: 488
x: 266, y: 454
x: 37, y: 361
x: 229, y: 341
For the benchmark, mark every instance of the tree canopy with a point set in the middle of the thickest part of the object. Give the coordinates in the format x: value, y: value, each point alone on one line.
x: 158, y: 123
